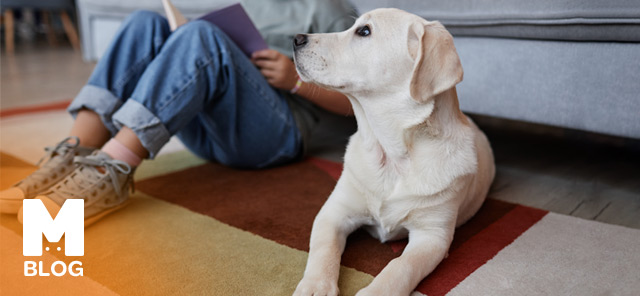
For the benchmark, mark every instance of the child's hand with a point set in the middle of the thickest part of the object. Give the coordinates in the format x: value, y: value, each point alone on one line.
x: 277, y: 68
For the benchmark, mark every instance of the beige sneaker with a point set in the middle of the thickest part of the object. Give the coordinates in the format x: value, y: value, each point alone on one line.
x: 101, y: 181
x: 56, y: 164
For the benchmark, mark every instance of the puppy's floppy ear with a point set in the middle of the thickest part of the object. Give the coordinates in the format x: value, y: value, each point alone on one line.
x: 437, y: 66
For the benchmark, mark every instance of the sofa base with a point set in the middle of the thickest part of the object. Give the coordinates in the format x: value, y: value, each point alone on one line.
x: 590, y: 86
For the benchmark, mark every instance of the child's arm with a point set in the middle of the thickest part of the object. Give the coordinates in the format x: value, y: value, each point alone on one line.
x: 281, y: 73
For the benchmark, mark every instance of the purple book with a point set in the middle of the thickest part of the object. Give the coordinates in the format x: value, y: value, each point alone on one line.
x: 235, y: 22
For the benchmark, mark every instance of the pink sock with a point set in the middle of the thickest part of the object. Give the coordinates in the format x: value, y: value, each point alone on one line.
x: 118, y: 151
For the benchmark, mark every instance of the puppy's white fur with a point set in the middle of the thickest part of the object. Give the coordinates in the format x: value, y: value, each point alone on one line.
x: 416, y: 167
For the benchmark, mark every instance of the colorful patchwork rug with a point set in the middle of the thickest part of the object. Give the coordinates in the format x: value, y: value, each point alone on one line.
x: 198, y: 228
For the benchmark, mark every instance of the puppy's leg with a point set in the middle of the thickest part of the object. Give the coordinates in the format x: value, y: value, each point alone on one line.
x: 426, y: 248
x: 335, y: 221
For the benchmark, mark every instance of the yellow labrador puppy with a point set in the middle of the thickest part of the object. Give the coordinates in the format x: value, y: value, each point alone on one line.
x: 416, y: 167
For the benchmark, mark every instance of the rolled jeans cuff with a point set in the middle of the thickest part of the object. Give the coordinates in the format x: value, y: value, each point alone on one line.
x: 98, y: 100
x: 147, y: 126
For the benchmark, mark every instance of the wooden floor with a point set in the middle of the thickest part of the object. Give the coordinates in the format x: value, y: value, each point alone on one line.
x: 565, y: 171
x: 38, y: 73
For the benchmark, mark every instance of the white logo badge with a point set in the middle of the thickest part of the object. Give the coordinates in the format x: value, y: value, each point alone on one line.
x: 37, y: 221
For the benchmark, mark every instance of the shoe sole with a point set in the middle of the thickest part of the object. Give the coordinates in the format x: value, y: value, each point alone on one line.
x: 10, y: 206
x: 88, y: 220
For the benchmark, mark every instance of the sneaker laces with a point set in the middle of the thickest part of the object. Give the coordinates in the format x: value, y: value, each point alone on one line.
x: 45, y: 163
x: 60, y: 149
x: 87, y: 175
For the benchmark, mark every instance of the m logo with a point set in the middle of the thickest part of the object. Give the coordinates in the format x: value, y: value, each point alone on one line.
x: 36, y: 221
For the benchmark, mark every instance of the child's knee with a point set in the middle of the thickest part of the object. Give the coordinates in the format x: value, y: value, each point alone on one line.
x: 200, y: 29
x: 145, y: 18
x: 200, y: 26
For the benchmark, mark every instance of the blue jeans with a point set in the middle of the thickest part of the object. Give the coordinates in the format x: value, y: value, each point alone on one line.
x: 194, y: 83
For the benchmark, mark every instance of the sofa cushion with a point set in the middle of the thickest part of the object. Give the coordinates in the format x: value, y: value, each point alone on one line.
x: 579, y: 20
x: 588, y: 86
x: 100, y: 20
x: 188, y: 7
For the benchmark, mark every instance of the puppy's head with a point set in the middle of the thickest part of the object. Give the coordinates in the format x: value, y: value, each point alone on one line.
x: 386, y: 51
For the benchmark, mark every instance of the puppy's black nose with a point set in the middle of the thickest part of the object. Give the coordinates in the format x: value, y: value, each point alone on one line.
x: 300, y: 41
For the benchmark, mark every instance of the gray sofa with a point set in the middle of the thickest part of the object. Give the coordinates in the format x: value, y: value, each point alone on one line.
x: 99, y: 20
x: 570, y: 63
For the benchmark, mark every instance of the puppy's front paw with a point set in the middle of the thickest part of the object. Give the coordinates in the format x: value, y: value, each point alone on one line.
x: 316, y: 287
x: 370, y: 291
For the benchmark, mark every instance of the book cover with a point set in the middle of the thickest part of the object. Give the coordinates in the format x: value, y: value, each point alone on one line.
x: 233, y: 20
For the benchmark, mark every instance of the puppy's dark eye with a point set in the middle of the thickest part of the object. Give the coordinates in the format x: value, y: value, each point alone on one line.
x: 363, y: 31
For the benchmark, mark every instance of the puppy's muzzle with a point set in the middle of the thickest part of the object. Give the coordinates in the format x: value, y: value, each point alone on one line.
x: 300, y: 41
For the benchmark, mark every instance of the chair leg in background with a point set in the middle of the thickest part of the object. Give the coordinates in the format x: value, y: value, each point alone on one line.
x: 48, y: 24
x: 70, y: 30
x: 8, y: 31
